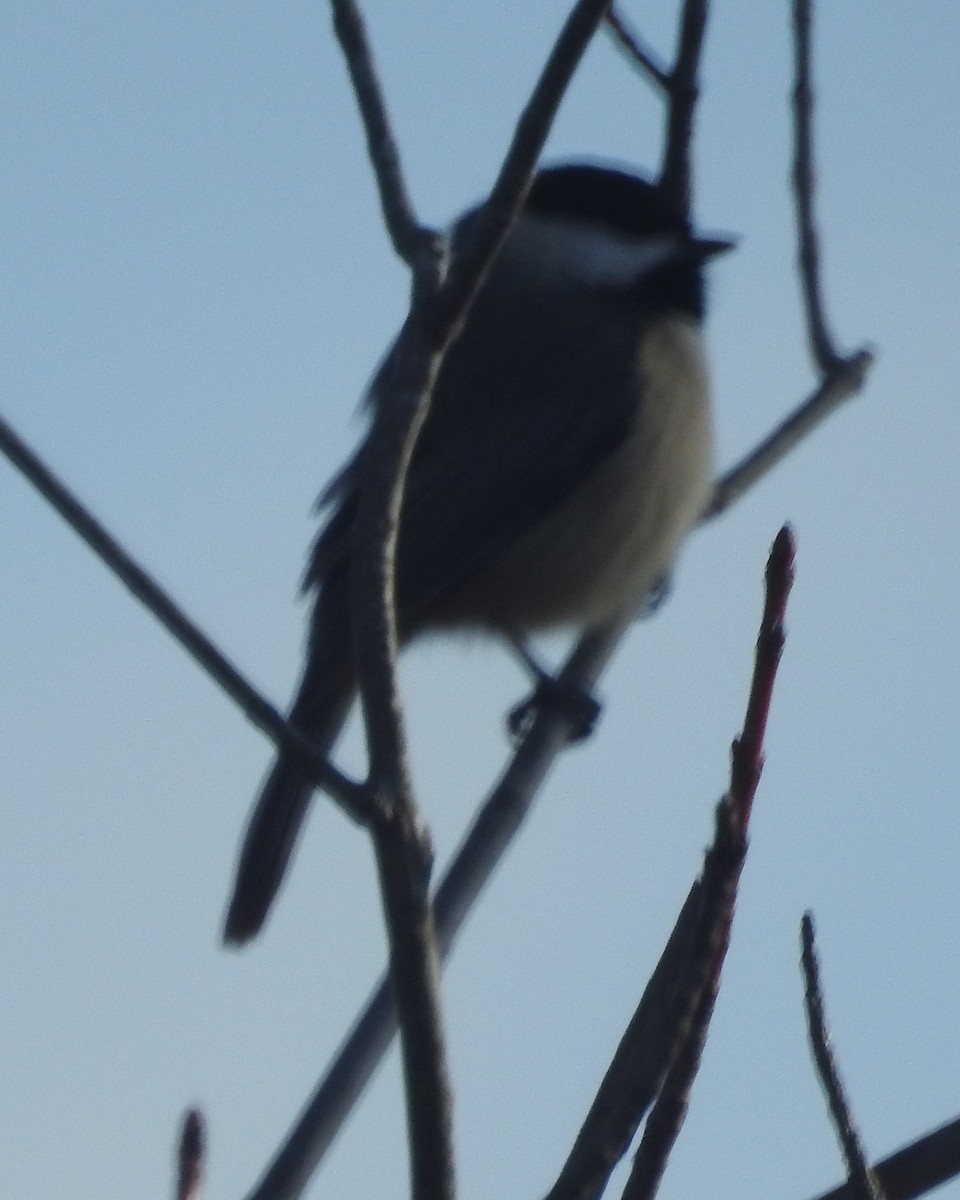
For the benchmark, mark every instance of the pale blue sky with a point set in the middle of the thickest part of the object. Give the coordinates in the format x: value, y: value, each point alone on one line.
x: 195, y: 288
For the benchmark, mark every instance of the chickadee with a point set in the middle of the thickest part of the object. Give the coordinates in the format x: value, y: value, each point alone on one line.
x: 565, y: 456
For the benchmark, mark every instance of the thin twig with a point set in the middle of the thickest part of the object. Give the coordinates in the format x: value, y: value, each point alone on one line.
x: 403, y: 401
x: 629, y: 42
x: 846, y: 379
x: 513, y: 181
x: 403, y: 853
x: 190, y: 1156
x: 676, y: 170
x: 637, y: 1068
x: 863, y: 1183
x: 747, y: 750
x: 821, y: 343
x: 206, y: 655
x: 721, y: 878
x: 721, y: 873
x: 410, y: 239
x: 661, y: 1048
x: 415, y: 986
x: 915, y: 1169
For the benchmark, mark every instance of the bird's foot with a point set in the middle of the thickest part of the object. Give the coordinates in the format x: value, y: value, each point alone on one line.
x: 579, y: 708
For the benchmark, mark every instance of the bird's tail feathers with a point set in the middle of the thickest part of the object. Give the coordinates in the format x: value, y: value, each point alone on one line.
x: 281, y: 806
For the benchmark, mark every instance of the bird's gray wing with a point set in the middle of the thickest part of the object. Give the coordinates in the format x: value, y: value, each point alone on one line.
x: 489, y: 465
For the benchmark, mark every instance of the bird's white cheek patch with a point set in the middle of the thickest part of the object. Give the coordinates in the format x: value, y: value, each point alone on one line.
x: 601, y: 259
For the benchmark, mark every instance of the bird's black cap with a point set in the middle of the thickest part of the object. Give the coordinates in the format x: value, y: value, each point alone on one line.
x: 619, y: 201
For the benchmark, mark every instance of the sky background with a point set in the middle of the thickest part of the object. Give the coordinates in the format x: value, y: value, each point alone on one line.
x: 195, y: 288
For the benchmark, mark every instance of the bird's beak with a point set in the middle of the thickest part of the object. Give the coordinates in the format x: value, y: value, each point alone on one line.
x: 704, y: 248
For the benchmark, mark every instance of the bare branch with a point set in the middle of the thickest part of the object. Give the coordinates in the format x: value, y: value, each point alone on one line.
x: 821, y: 343
x: 403, y: 852
x: 747, y: 751
x: 409, y: 238
x: 915, y: 1169
x: 843, y: 377
x: 629, y: 42
x: 415, y: 985
x: 405, y: 394
x: 513, y: 180
x: 844, y: 381
x: 661, y: 1047
x: 191, y: 638
x: 721, y: 874
x: 721, y: 879
x: 862, y: 1181
x: 637, y: 1069
x: 190, y: 1155
x: 675, y: 173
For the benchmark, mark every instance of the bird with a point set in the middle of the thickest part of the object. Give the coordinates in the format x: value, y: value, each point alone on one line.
x: 566, y: 454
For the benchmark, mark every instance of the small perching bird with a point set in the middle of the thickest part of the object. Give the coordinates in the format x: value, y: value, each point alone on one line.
x: 566, y: 454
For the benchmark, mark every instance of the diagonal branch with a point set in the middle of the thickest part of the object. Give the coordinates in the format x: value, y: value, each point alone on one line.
x: 847, y: 378
x: 915, y: 1169
x: 513, y: 180
x: 629, y: 42
x: 659, y: 1054
x: 191, y: 638
x: 862, y: 1182
x: 637, y: 1068
x: 691, y: 1024
x: 722, y: 872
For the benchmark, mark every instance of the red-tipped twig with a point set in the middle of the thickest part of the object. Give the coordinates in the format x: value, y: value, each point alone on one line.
x: 722, y: 876
x: 659, y: 1053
